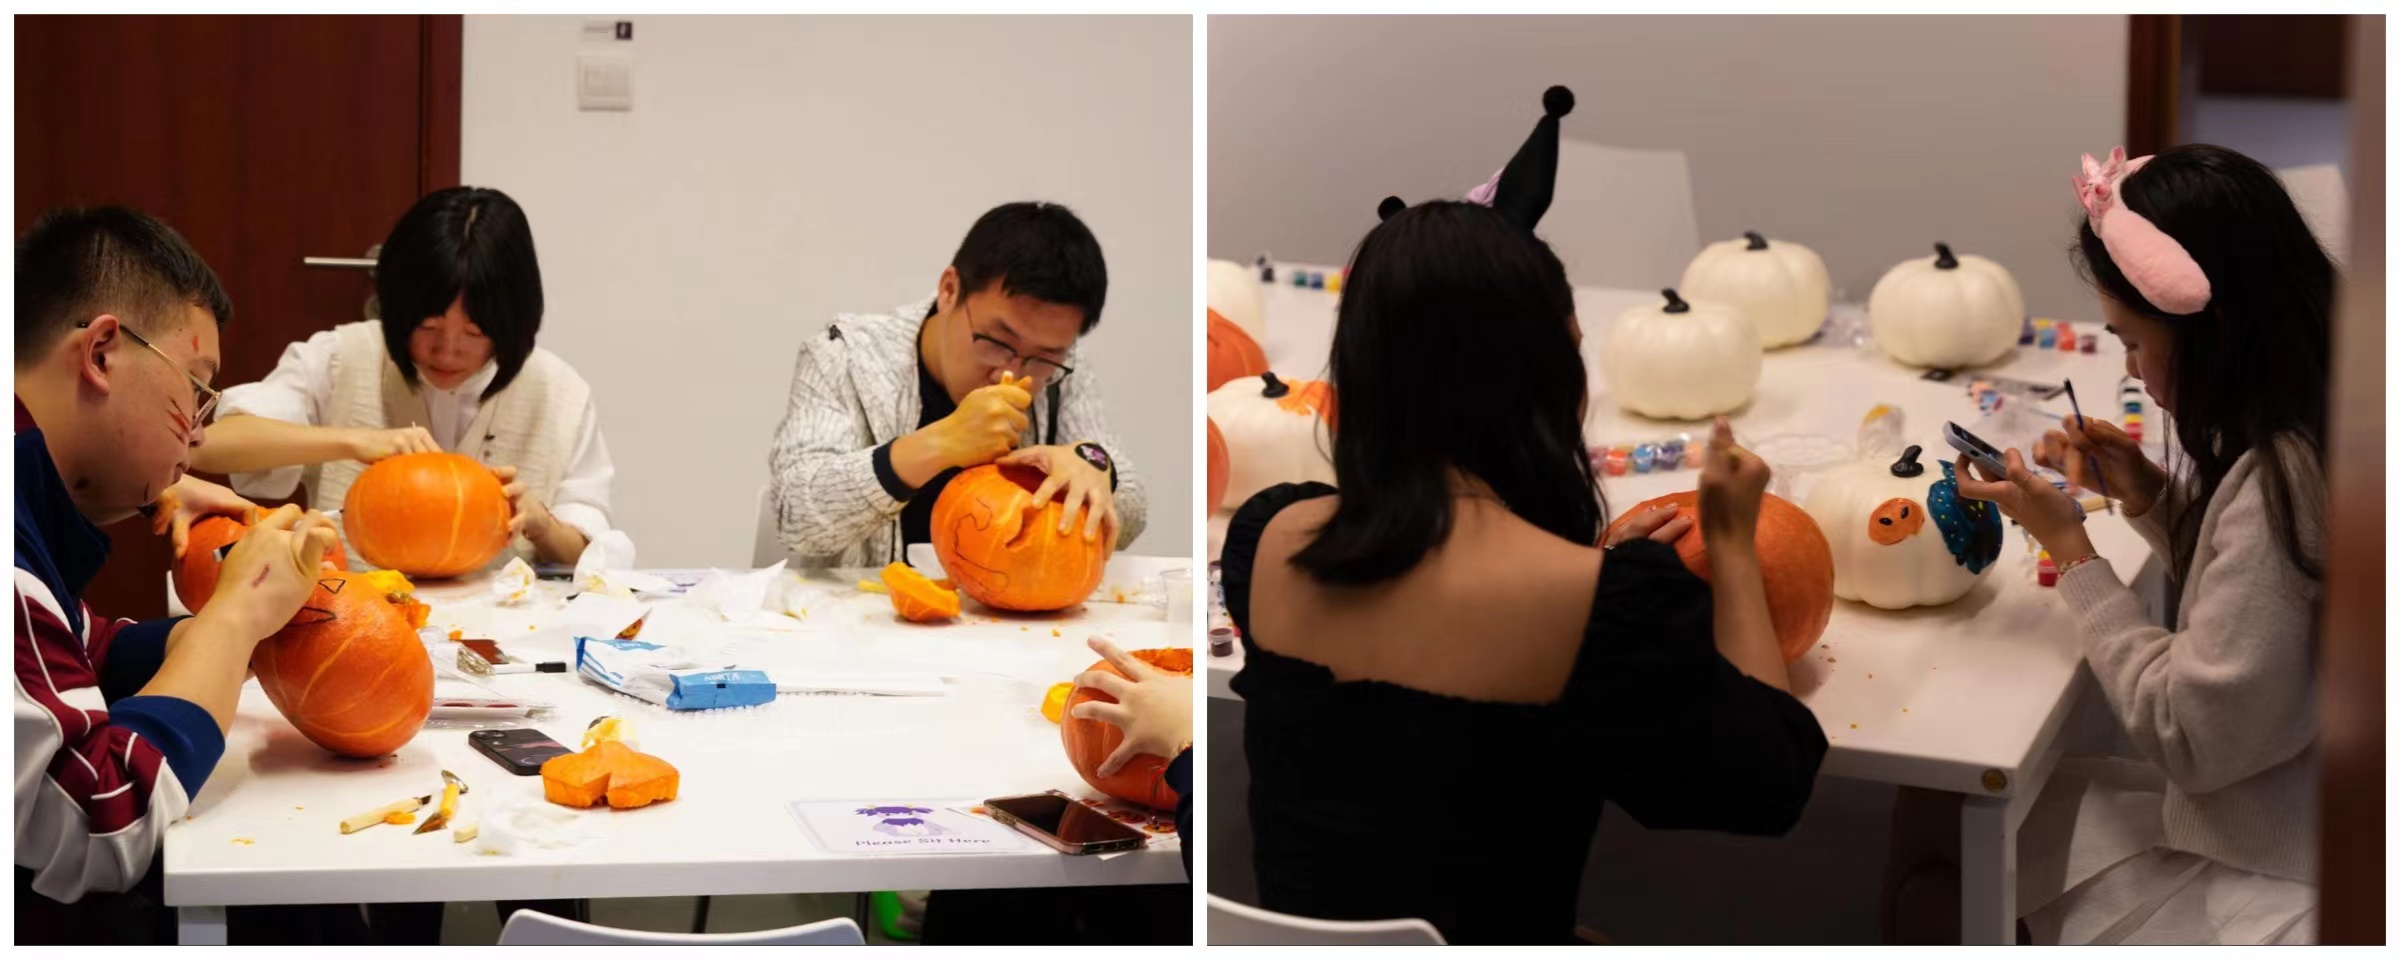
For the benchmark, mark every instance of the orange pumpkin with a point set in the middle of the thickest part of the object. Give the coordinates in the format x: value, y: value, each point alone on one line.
x: 1220, y: 466
x: 916, y: 598
x: 427, y: 514
x: 1794, y: 559
x: 612, y: 773
x: 1088, y: 742
x: 1232, y: 355
x: 196, y: 573
x: 348, y: 671
x: 1005, y: 554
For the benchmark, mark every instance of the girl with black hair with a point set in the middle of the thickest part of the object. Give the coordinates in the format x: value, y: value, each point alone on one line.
x: 2206, y: 832
x: 451, y: 366
x: 1437, y: 651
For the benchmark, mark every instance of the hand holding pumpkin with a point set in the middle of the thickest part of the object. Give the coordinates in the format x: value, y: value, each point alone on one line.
x: 2034, y: 503
x: 1078, y: 486
x: 192, y: 499
x: 369, y: 445
x: 1732, y: 481
x: 270, y: 572
x: 1663, y: 523
x: 1154, y: 708
x: 2095, y: 455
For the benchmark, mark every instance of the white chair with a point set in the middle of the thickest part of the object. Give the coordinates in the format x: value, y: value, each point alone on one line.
x: 1235, y: 924
x: 2324, y: 202
x: 534, y: 928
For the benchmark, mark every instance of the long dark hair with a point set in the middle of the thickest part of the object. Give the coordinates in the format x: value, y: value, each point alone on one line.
x: 2253, y: 365
x: 1454, y: 349
x: 470, y: 240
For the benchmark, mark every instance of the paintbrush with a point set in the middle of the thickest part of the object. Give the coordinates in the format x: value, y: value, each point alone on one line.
x: 2097, y: 476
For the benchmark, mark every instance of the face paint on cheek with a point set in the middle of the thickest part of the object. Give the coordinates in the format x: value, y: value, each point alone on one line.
x: 181, y: 425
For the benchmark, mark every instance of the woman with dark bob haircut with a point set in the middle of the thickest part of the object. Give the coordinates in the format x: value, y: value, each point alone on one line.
x: 451, y: 366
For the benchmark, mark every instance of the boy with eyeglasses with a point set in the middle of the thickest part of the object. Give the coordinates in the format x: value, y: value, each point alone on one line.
x: 119, y: 723
x: 886, y: 408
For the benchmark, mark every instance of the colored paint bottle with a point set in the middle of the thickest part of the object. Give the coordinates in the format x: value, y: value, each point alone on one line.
x: 2089, y: 345
x: 2025, y: 333
x: 1645, y: 457
x: 1333, y: 284
x: 1618, y: 459
x: 1670, y: 454
x: 1316, y: 281
x: 2066, y: 338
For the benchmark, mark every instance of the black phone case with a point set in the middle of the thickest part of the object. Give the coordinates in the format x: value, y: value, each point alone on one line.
x: 521, y: 752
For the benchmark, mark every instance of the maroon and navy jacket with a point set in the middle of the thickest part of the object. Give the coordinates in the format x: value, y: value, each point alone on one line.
x: 101, y: 771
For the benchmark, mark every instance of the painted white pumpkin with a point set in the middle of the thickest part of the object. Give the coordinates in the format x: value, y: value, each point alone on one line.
x: 1781, y: 286
x: 1946, y: 312
x: 1273, y: 432
x: 1681, y: 361
x: 1901, y: 535
x: 1233, y: 292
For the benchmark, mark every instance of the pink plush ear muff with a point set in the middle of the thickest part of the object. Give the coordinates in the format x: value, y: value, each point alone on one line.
x: 2153, y: 262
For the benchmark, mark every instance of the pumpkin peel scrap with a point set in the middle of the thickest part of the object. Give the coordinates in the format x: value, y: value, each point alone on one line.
x: 611, y: 773
x: 916, y: 598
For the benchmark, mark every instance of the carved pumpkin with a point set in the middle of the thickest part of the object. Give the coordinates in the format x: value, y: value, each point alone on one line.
x: 349, y: 671
x: 1271, y: 433
x: 1006, y: 555
x: 427, y: 515
x: 1219, y: 465
x: 1089, y: 742
x: 1781, y: 286
x: 1234, y: 293
x: 196, y: 573
x: 1681, y: 361
x: 1946, y: 312
x: 1793, y: 560
x: 1231, y: 352
x: 609, y: 772
x: 1875, y: 513
x: 916, y: 598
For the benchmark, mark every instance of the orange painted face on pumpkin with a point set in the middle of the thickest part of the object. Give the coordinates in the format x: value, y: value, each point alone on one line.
x: 1899, y: 518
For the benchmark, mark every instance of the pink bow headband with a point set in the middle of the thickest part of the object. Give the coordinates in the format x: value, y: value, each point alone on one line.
x: 2156, y: 265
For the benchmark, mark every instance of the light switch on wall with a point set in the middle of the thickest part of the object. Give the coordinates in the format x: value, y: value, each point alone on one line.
x: 603, y: 83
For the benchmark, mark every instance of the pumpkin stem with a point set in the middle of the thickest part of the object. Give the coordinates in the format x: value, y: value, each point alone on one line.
x: 1756, y: 242
x: 1907, y: 465
x: 1675, y: 303
x: 1942, y: 259
x: 1275, y: 387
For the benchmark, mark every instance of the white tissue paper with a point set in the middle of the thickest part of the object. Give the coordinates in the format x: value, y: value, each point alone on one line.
x: 606, y: 567
x: 514, y: 583
x: 744, y: 598
x: 524, y: 827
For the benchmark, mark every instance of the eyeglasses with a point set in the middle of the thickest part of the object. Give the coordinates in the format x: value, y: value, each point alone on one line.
x: 202, y: 394
x: 995, y: 353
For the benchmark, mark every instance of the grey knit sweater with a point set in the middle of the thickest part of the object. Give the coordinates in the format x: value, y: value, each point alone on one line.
x: 2226, y: 707
x: 855, y: 389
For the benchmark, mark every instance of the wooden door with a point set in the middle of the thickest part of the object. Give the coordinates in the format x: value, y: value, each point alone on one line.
x: 263, y: 140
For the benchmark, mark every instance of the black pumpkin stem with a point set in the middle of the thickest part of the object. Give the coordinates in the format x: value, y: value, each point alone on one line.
x: 1942, y: 259
x: 1907, y: 465
x: 1275, y: 387
x: 1756, y: 242
x: 1675, y: 303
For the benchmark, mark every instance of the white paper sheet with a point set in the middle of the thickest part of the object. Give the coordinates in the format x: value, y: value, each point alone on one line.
x: 886, y: 828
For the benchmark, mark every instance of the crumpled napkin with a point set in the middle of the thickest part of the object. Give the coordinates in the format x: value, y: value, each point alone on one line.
x: 754, y: 598
x: 606, y: 567
x: 514, y: 583
x: 527, y: 826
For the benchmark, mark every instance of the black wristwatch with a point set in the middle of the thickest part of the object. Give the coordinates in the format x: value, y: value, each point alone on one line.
x: 1099, y: 459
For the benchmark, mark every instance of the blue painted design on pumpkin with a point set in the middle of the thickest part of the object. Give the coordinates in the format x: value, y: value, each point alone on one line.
x: 1970, y: 528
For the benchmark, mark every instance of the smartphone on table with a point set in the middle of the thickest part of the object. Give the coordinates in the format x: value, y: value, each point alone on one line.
x: 1062, y: 824
x: 521, y: 751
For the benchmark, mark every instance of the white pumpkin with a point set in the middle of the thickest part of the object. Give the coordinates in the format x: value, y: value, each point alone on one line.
x: 1233, y: 292
x: 1681, y: 361
x: 1272, y: 432
x: 1946, y: 312
x: 1901, y: 535
x: 1781, y: 286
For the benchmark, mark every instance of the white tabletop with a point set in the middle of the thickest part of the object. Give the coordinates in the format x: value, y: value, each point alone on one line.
x: 264, y: 830
x: 1933, y: 697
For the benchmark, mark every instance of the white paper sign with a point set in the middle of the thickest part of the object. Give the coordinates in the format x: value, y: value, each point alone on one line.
x: 881, y: 828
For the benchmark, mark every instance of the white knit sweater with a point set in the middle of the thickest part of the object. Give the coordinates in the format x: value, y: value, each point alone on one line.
x: 2227, y: 706
x: 855, y: 389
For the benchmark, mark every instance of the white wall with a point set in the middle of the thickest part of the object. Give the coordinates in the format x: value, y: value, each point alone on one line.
x: 1867, y: 138
x: 777, y: 170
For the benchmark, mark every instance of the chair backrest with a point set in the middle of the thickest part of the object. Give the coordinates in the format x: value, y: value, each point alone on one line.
x: 1241, y: 925
x: 1621, y: 217
x: 175, y: 606
x: 533, y: 928
x: 766, y: 543
x: 2324, y: 202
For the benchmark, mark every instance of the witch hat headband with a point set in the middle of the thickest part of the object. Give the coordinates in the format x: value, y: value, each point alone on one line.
x: 1520, y: 191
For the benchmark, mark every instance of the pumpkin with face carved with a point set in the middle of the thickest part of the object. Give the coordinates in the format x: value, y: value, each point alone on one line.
x: 1902, y: 537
